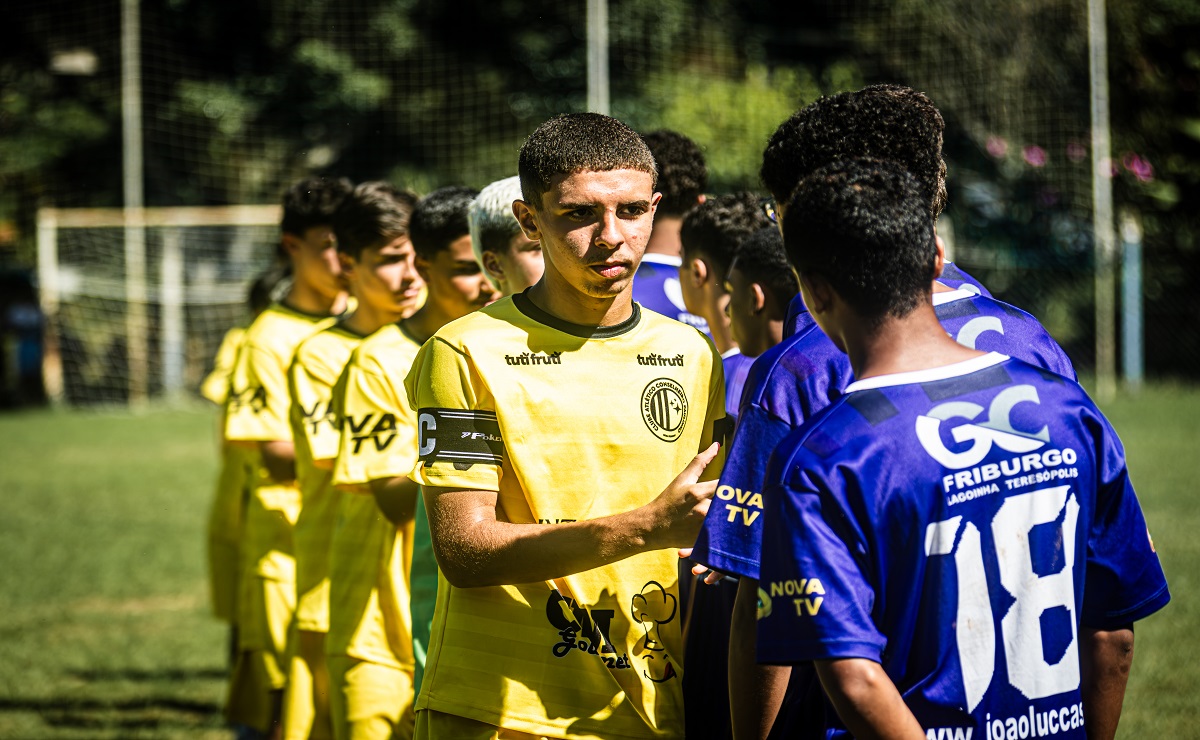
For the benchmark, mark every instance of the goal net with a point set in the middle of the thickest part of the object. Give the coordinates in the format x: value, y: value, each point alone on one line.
x: 138, y: 302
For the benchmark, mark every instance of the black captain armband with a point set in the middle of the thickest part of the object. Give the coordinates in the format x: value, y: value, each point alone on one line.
x: 460, y: 437
x: 722, y: 430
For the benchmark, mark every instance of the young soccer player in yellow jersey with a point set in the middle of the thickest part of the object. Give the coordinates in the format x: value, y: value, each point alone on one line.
x: 258, y: 417
x: 371, y: 227
x: 559, y: 432
x: 225, y: 517
x: 370, y: 648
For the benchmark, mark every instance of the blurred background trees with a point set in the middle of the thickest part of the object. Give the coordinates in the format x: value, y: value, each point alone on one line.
x: 240, y: 98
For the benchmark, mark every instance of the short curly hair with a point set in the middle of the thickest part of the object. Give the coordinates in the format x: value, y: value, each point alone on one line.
x: 763, y: 260
x: 439, y: 219
x: 376, y: 213
x: 573, y: 142
x: 864, y: 225
x: 682, y: 172
x: 715, y: 228
x: 886, y: 122
x: 312, y: 202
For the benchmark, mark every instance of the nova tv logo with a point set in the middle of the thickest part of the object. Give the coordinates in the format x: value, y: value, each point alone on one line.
x: 996, y: 429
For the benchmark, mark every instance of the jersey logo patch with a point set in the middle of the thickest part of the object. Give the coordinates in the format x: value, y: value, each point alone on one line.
x: 664, y: 409
x: 996, y: 430
x: 460, y: 437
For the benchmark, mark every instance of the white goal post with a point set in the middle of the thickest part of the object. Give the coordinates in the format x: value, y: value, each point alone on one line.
x: 188, y: 258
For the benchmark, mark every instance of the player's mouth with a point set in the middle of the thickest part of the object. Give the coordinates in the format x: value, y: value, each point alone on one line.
x: 611, y: 269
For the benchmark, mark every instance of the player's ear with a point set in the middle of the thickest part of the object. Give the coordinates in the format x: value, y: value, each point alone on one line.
x: 940, y: 264
x: 347, y: 263
x: 491, y: 265
x: 291, y: 244
x: 759, y: 297
x: 527, y: 217
x: 698, y: 269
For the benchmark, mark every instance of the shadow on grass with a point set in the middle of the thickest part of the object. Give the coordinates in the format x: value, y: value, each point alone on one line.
x: 170, y: 674
x: 148, y: 712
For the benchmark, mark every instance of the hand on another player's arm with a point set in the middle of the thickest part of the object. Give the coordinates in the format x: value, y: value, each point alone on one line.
x: 1105, y: 658
x: 475, y: 548
x: 396, y: 498
x: 867, y: 700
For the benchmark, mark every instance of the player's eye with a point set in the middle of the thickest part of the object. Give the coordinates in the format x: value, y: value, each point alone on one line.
x: 633, y: 211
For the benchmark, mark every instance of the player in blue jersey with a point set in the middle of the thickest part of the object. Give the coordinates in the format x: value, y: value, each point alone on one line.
x: 682, y: 178
x: 954, y: 542
x: 879, y: 121
x: 760, y: 283
x: 805, y: 373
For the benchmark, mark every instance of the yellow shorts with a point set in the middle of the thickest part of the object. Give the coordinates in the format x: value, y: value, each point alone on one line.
x: 264, y: 615
x: 433, y: 725
x: 369, y: 701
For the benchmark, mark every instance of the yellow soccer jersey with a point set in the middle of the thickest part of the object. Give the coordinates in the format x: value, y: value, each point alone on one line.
x: 215, y: 386
x: 257, y: 411
x: 315, y: 369
x: 567, y: 423
x: 369, y: 611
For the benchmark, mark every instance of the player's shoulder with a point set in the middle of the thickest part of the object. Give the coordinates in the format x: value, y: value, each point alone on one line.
x: 390, y: 346
x: 279, y: 329
x: 494, y: 322
x: 961, y: 302
x: 799, y: 356
x: 327, y: 349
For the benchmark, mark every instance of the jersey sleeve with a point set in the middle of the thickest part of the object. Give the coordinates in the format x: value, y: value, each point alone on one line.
x: 731, y: 536
x: 1124, y: 580
x: 258, y: 408
x: 459, y: 440
x: 215, y: 386
x: 378, y: 427
x: 310, y: 395
x: 815, y: 597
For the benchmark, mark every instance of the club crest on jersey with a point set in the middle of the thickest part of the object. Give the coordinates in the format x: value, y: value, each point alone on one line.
x: 664, y: 409
x: 996, y: 430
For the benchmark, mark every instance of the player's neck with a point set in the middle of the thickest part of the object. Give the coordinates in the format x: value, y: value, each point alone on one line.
x: 430, y: 317
x: 557, y: 297
x: 367, y: 319
x: 901, y: 345
x: 664, y: 239
x: 718, y: 329
x: 765, y: 336
x: 307, y: 299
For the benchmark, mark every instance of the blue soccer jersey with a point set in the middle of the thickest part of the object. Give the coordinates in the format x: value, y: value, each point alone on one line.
x: 656, y: 287
x: 951, y: 277
x: 958, y: 526
x: 797, y: 378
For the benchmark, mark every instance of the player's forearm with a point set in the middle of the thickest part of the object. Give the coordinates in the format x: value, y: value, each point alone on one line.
x: 1105, y: 657
x: 494, y: 553
x: 279, y: 460
x: 396, y: 498
x: 756, y: 692
x: 867, y: 700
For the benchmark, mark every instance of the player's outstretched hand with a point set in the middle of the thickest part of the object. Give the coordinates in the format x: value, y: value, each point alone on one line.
x: 679, y: 510
x: 710, y: 576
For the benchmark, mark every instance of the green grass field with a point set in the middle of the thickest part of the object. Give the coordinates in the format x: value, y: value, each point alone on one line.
x: 104, y: 626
